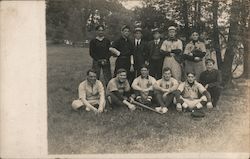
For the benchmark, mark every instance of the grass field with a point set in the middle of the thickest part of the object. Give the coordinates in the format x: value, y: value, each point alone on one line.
x: 122, y: 131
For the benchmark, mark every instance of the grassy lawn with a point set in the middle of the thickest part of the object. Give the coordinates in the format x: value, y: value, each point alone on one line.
x: 122, y: 131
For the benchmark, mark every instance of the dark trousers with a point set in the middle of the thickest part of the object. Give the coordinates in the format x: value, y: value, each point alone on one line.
x: 124, y: 62
x: 143, y: 96
x: 215, y: 94
x: 164, y: 101
x: 155, y: 68
x: 116, y: 101
x: 106, y: 71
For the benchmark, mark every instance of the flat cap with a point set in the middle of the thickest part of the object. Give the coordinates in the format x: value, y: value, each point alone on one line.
x: 125, y: 27
x: 172, y: 28
x: 138, y: 29
x: 154, y: 30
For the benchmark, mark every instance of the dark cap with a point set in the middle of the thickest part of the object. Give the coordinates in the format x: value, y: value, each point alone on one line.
x: 125, y: 27
x: 155, y: 30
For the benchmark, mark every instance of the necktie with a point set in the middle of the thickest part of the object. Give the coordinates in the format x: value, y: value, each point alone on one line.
x: 156, y: 42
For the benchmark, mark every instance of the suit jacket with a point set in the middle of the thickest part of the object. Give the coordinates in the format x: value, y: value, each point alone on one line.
x: 140, y: 53
x: 153, y: 48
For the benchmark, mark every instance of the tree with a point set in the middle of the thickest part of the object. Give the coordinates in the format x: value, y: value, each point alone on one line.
x: 216, y: 38
x: 231, y: 44
x: 245, y: 21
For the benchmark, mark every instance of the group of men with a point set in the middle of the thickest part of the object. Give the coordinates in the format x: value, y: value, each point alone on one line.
x: 156, y: 73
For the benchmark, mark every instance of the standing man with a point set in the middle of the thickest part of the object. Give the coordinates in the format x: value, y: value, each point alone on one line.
x: 91, y: 93
x: 99, y: 51
x: 172, y: 50
x: 143, y: 86
x: 124, y: 50
x: 155, y: 57
x: 194, y: 54
x: 165, y: 89
x: 191, y: 94
x: 118, y: 90
x: 140, y: 49
x: 211, y: 79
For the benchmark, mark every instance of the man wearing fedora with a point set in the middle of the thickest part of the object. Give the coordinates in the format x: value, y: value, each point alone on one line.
x: 154, y: 56
x: 140, y: 49
x: 172, y: 50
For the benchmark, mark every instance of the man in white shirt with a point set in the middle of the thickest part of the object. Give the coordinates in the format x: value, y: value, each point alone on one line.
x: 165, y: 90
x: 143, y: 86
x: 91, y: 93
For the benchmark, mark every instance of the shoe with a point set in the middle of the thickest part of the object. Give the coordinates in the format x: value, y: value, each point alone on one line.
x: 164, y: 109
x: 184, y: 105
x: 87, y: 109
x: 158, y: 109
x: 178, y: 107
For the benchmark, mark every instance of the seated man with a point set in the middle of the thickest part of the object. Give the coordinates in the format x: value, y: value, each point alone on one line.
x: 91, y: 93
x: 118, y: 90
x: 143, y: 86
x: 165, y: 90
x: 191, y: 94
x: 211, y: 80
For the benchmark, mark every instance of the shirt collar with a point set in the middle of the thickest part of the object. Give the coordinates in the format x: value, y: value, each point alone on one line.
x: 157, y: 41
x: 144, y: 78
x: 174, y: 39
x: 88, y: 83
x: 195, y: 82
x: 100, y: 38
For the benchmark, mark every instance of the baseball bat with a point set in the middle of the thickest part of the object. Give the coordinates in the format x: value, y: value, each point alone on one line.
x: 146, y: 107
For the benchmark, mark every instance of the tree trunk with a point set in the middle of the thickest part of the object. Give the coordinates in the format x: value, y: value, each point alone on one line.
x: 245, y: 37
x: 231, y: 45
x: 216, y: 40
x: 185, y: 18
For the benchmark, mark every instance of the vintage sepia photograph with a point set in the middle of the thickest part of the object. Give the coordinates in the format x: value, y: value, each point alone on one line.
x: 147, y: 76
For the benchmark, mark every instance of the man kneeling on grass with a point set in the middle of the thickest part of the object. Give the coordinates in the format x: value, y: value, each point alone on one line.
x: 118, y: 90
x: 165, y: 89
x: 91, y: 94
x: 143, y: 86
x: 191, y: 94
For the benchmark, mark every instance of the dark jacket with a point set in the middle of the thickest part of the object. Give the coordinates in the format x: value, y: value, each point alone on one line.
x: 139, y: 53
x: 125, y: 46
x: 154, y: 50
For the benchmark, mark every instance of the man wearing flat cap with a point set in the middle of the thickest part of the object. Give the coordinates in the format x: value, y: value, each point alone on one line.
x: 123, y: 49
x: 154, y: 56
x: 140, y: 49
x: 172, y: 50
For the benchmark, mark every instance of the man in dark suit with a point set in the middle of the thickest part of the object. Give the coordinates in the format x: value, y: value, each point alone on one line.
x: 123, y: 48
x: 140, y: 49
x: 154, y: 56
